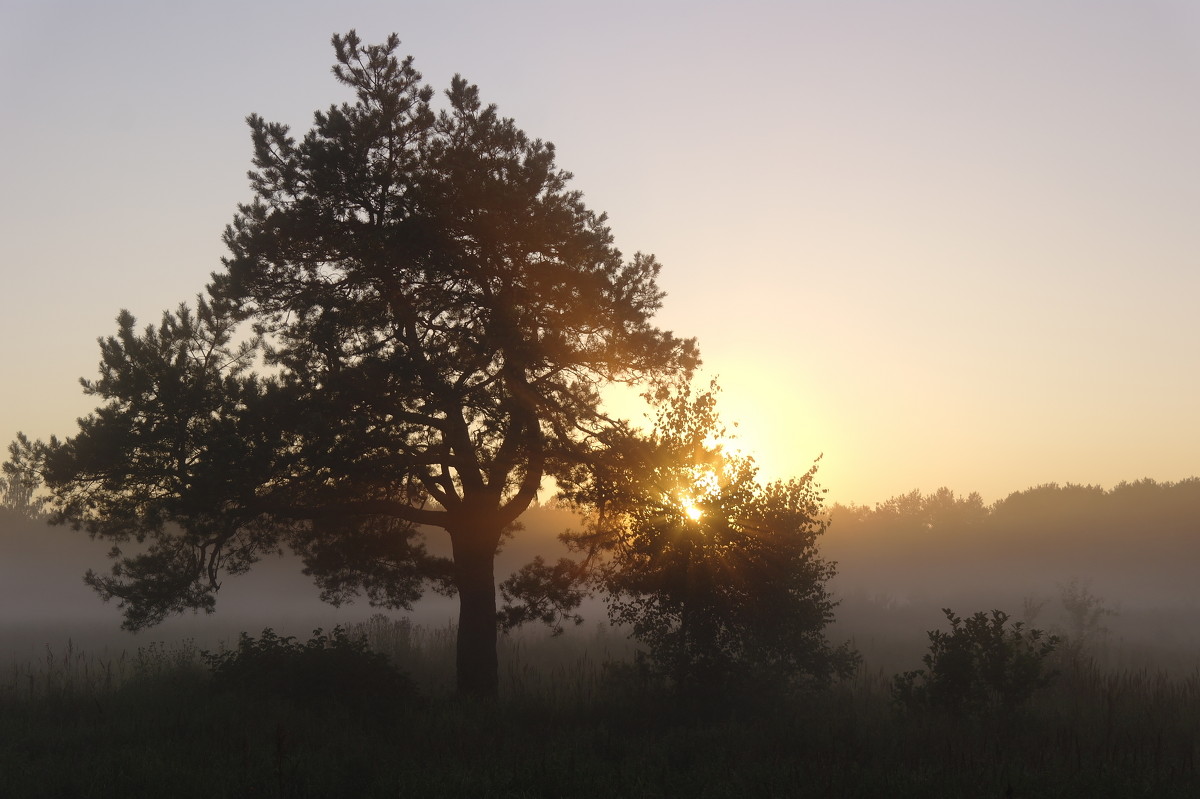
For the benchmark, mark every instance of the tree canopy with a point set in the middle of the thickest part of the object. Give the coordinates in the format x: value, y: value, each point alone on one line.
x: 412, y: 328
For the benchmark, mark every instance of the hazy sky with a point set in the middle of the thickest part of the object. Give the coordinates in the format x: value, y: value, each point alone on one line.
x: 944, y: 243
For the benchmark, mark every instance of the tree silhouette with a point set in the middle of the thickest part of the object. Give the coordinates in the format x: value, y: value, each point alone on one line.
x: 716, y: 573
x: 436, y: 313
x: 19, y: 478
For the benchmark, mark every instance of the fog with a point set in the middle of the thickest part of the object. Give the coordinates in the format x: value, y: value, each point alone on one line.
x: 44, y: 601
x: 1131, y: 551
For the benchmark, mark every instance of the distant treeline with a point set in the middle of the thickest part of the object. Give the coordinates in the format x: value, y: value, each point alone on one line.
x: 1138, y: 540
x: 1137, y: 543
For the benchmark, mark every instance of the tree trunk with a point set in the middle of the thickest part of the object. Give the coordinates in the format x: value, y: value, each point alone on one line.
x: 478, y: 668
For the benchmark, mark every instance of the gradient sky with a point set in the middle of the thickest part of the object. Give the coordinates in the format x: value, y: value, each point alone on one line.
x: 943, y: 243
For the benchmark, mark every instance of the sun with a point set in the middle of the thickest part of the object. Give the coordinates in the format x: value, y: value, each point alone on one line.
x: 691, y: 509
x: 699, y: 484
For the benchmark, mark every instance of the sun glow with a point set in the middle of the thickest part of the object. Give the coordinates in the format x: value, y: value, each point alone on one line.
x: 691, y: 509
x: 703, y: 483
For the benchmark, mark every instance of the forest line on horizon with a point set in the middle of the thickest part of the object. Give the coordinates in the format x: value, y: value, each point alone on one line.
x: 1136, y: 539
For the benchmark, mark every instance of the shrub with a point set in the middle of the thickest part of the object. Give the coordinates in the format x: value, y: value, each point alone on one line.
x: 335, y: 668
x: 1085, y: 621
x: 982, y: 666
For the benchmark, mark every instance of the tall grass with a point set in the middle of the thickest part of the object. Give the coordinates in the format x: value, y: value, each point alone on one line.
x: 74, y: 673
x: 571, y: 721
x: 534, y: 666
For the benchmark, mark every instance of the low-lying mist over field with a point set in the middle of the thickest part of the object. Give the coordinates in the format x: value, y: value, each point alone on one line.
x: 1114, y: 566
x: 1112, y: 713
x: 43, y: 599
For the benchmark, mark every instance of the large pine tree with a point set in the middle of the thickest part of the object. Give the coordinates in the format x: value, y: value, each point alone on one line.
x: 436, y: 313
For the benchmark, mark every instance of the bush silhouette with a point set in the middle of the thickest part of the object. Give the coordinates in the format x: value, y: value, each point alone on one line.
x: 1085, y: 621
x: 982, y: 666
x: 335, y: 668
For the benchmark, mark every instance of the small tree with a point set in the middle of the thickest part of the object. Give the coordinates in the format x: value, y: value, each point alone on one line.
x: 717, y: 574
x: 1085, y: 619
x: 20, y: 478
x: 982, y: 666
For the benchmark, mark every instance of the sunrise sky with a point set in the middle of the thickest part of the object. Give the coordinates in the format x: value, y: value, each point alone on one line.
x: 943, y: 243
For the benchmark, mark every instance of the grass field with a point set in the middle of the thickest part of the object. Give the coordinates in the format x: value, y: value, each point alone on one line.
x: 571, y: 722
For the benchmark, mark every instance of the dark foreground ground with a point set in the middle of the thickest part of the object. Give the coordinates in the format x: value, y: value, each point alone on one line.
x: 159, y: 723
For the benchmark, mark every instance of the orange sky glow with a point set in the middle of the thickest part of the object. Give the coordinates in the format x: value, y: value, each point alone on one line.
x: 941, y: 243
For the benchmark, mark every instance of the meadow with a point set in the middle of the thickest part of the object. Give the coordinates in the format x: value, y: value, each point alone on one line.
x: 575, y: 719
